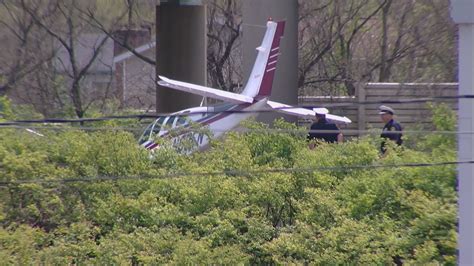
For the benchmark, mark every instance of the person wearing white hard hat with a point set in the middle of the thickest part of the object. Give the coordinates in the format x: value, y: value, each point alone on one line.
x: 392, y: 129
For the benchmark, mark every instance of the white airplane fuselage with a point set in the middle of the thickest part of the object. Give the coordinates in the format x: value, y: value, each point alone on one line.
x: 191, y: 124
x: 199, y: 125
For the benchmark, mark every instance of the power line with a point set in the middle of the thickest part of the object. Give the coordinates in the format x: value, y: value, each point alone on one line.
x: 233, y: 172
x: 78, y: 128
x: 79, y: 120
x: 240, y: 130
x: 400, y: 101
x: 157, y: 115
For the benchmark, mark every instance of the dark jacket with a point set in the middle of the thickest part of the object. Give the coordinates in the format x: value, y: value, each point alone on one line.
x: 323, y: 124
x: 393, y: 131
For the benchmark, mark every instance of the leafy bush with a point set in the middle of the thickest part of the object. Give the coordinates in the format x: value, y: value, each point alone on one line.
x: 261, y: 197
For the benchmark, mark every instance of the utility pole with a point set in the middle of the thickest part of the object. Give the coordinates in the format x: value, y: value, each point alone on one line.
x: 462, y: 11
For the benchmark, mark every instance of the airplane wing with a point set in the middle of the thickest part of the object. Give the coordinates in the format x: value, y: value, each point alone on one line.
x: 306, y: 113
x: 239, y: 99
x: 205, y: 91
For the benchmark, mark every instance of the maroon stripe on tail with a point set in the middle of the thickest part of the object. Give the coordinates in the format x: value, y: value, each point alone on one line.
x: 267, y: 80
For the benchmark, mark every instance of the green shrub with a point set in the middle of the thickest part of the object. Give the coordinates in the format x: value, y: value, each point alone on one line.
x: 262, y: 197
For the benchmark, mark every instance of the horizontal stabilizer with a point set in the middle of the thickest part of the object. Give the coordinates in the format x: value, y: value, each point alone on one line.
x: 338, y: 119
x: 306, y: 113
x: 204, y: 91
x: 290, y: 110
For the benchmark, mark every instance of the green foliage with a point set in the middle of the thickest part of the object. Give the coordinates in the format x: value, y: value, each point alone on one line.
x: 443, y: 119
x: 20, y: 245
x: 273, y: 147
x: 6, y: 112
x: 9, y: 112
x: 226, y: 205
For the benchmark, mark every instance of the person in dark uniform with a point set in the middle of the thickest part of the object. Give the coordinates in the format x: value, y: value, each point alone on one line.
x: 392, y: 129
x: 321, y: 124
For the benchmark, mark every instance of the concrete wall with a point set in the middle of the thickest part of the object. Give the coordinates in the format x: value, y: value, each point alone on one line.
x: 181, y: 53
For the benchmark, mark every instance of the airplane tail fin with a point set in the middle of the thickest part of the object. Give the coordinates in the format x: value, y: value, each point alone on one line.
x: 260, y: 82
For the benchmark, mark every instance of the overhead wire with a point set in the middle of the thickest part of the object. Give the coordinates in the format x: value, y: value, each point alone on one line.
x: 266, y: 110
x: 53, y: 124
x: 231, y: 172
x: 239, y: 130
x: 79, y: 128
x: 400, y: 101
x: 22, y: 124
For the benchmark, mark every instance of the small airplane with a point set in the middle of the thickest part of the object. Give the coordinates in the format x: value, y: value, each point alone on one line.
x: 221, y: 118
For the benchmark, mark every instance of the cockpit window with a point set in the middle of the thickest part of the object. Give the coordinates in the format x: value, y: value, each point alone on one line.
x: 158, y: 124
x: 222, y: 107
x: 182, y: 120
x: 146, y: 135
x: 153, y: 128
x: 170, y: 121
